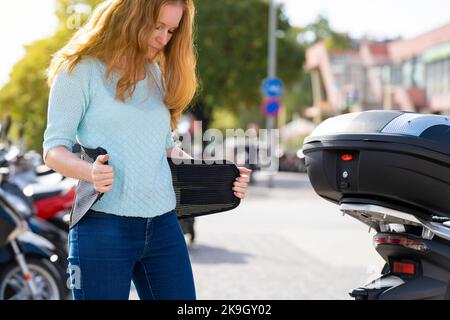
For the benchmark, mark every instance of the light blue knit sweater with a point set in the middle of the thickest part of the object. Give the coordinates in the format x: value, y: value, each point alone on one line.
x: 136, y: 134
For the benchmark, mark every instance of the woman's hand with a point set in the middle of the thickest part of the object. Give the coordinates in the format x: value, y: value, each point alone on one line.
x: 240, y: 186
x: 102, y: 174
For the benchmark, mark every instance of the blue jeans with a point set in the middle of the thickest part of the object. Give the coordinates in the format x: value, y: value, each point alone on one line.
x: 107, y: 252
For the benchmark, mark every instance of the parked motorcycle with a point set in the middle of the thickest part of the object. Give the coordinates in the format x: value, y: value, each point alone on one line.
x: 30, y: 268
x: 48, y: 193
x: 19, y: 173
x: 53, y: 202
x: 390, y: 170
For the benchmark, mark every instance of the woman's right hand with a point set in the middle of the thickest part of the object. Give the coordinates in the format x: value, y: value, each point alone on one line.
x: 102, y: 174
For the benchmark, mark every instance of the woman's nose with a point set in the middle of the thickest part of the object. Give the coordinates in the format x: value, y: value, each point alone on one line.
x: 163, y: 38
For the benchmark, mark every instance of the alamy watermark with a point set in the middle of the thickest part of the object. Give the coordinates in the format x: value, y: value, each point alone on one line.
x: 76, y: 15
x: 74, y: 278
x: 253, y: 148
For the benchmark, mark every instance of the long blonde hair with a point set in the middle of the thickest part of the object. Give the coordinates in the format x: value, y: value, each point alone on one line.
x: 118, y: 32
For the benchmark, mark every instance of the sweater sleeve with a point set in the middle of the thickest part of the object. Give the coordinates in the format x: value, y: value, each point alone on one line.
x: 68, y: 102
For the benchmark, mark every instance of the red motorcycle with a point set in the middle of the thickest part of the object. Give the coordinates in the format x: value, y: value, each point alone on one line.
x: 52, y: 199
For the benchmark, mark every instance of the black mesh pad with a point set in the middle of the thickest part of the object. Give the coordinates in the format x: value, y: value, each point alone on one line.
x: 203, y: 188
x: 200, y: 188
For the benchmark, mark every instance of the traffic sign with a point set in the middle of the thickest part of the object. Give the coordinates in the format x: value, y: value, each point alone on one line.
x: 271, y: 106
x: 272, y: 87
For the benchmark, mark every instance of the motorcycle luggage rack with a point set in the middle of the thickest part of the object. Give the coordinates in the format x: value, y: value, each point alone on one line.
x: 376, y: 216
x: 370, y: 214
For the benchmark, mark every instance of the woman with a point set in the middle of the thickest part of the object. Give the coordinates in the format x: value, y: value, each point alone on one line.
x: 122, y: 83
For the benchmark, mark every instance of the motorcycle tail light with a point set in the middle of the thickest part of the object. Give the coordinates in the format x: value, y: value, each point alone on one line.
x: 390, y: 239
x: 347, y: 157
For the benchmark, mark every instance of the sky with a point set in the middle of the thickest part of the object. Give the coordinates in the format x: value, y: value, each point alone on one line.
x: 380, y: 19
x: 376, y: 18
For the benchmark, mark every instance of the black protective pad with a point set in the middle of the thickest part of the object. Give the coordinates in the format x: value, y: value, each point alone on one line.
x: 201, y: 188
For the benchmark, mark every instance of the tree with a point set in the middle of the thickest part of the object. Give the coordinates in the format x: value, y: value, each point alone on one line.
x: 25, y: 96
x: 320, y: 30
x: 300, y: 94
x: 232, y: 48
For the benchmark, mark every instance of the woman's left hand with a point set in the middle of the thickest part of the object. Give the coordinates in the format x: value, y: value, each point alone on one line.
x: 240, y: 186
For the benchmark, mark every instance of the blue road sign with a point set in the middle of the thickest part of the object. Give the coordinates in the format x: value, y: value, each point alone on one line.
x: 271, y: 106
x: 272, y: 87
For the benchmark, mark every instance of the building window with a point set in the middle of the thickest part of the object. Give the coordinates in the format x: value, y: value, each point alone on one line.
x: 396, y: 75
x: 419, y: 74
x: 407, y: 71
x: 438, y: 77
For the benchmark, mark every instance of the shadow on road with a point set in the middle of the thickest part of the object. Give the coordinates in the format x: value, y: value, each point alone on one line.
x: 283, y: 180
x: 205, y: 254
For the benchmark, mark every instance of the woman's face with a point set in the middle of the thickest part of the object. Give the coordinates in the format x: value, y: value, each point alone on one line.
x: 169, y: 20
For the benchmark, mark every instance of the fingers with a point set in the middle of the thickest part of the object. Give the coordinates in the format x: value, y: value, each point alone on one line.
x: 107, y: 182
x: 244, y: 175
x: 102, y: 179
x: 104, y: 189
x: 102, y: 174
x: 100, y: 166
x: 104, y: 186
x: 244, y: 179
x: 240, y: 184
x: 102, y: 159
x: 244, y: 170
x: 239, y: 195
x: 240, y: 190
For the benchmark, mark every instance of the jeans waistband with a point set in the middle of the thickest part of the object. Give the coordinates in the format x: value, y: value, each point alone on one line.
x: 111, y: 214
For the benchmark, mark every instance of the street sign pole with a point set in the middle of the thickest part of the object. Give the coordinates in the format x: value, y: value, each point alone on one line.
x: 272, y: 69
x: 272, y: 66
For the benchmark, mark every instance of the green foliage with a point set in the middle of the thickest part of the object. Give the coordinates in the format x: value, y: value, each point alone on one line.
x: 223, y: 119
x: 232, y: 47
x: 25, y: 96
x: 320, y: 30
x: 299, y: 96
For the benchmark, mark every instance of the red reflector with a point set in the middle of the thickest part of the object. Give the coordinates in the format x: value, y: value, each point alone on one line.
x: 403, y: 268
x: 27, y: 277
x: 347, y: 157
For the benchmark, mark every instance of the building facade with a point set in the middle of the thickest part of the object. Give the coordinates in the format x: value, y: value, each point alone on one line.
x: 409, y: 75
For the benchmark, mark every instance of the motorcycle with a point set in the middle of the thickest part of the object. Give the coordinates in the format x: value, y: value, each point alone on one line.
x: 53, y: 202
x: 48, y: 193
x: 390, y: 171
x: 18, y: 175
x: 30, y: 267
